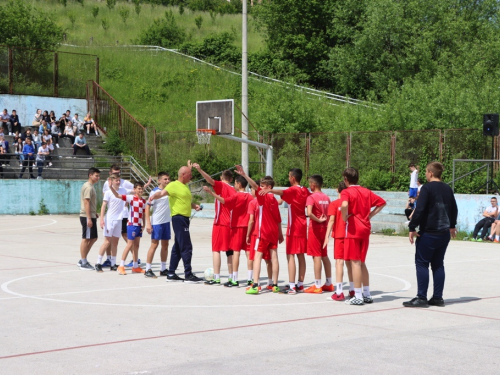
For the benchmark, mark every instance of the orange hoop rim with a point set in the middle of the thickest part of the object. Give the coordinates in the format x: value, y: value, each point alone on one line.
x: 211, y: 131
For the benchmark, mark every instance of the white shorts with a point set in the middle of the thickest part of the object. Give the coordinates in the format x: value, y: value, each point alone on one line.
x: 113, y: 229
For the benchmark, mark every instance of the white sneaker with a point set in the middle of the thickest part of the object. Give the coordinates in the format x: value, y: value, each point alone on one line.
x: 20, y: 164
x: 354, y: 301
x: 10, y: 133
x: 57, y: 145
x: 39, y: 178
x: 407, y: 222
x: 50, y: 164
x: 88, y: 132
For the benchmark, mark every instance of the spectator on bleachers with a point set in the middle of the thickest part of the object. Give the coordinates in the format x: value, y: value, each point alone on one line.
x: 56, y: 133
x: 77, y: 123
x: 43, y: 152
x: 89, y: 122
x: 27, y: 134
x: 18, y: 149
x: 14, y: 122
x: 47, y: 138
x: 5, y: 120
x: 81, y: 143
x: 36, y: 138
x: 44, y: 126
x: 46, y: 117
x: 410, y: 206
x: 1, y: 132
x: 37, y: 119
x: 69, y: 132
x: 29, y: 158
x: 68, y: 117
x: 489, y: 216
x: 52, y: 117
x: 3, y: 151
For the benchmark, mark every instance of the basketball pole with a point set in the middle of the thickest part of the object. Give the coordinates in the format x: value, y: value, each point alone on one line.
x: 244, y: 89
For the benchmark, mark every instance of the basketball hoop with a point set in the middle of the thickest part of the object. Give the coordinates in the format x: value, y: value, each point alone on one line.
x: 204, y: 136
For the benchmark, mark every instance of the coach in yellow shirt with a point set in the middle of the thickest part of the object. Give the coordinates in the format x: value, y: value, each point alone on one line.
x: 180, y: 199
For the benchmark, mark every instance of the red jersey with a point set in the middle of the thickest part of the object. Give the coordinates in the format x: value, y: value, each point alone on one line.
x: 222, y: 213
x: 360, y: 200
x: 253, y: 209
x: 238, y: 204
x: 339, y: 223
x: 137, y: 208
x: 296, y: 197
x: 269, y: 218
x: 319, y: 202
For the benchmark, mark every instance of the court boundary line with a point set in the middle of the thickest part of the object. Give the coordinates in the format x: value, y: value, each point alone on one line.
x: 36, y: 226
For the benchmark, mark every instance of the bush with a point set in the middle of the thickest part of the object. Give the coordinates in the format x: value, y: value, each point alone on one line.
x: 163, y: 32
x: 95, y: 11
x: 124, y: 13
x: 198, y: 21
x: 115, y: 144
x: 216, y: 48
x: 110, y: 4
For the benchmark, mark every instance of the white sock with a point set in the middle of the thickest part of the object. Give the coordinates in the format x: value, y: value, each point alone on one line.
x: 122, y: 263
x: 338, y: 289
x: 292, y: 285
x: 301, y: 283
x: 497, y: 237
x: 135, y: 264
x: 358, y: 293
x: 351, y: 286
x: 113, y: 260
x: 163, y: 266
x: 84, y: 261
x: 216, y: 276
x: 148, y: 266
x: 99, y: 259
x: 250, y: 275
x: 317, y: 282
x: 235, y: 276
x: 366, y: 291
x: 270, y: 282
x: 328, y: 281
x: 108, y: 258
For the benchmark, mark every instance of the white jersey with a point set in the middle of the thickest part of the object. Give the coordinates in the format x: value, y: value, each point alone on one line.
x: 124, y: 184
x: 413, y: 179
x: 115, y: 205
x: 161, y: 209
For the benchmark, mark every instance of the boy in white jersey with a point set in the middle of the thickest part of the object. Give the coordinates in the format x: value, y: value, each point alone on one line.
x: 158, y: 226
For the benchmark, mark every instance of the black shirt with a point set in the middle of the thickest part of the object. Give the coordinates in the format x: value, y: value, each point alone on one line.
x: 436, y: 209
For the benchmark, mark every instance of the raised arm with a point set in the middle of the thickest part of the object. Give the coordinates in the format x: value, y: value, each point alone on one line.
x: 218, y: 197
x: 241, y: 172
x: 158, y: 195
x: 204, y: 174
x: 113, y: 191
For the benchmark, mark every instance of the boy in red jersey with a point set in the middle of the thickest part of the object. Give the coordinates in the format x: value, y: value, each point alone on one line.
x: 221, y: 231
x: 338, y: 225
x: 317, y: 209
x: 296, y: 232
x: 269, y: 230
x: 356, y: 206
x: 238, y: 204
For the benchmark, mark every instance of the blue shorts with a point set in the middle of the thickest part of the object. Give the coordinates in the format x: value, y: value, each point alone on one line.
x: 413, y: 192
x: 133, y: 232
x: 161, y: 232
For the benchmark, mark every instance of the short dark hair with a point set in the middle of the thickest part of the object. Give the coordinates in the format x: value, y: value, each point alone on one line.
x: 44, y: 143
x: 115, y: 167
x: 411, y: 165
x: 420, y: 181
x: 351, y: 175
x: 317, y: 179
x: 436, y: 168
x: 267, y: 180
x: 14, y: 110
x: 296, y: 173
x: 58, y: 122
x: 93, y: 170
x: 242, y: 181
x: 341, y: 186
x: 493, y: 198
x: 227, y: 175
x: 161, y: 174
x: 138, y: 183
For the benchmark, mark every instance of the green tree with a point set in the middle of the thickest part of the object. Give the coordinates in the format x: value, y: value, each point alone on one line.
x: 105, y: 24
x: 95, y: 11
x: 110, y: 4
x: 124, y: 13
x: 198, y: 21
x: 72, y: 18
x: 137, y: 8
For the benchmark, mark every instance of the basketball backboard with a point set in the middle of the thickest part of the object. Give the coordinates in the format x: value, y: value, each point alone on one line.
x: 217, y: 115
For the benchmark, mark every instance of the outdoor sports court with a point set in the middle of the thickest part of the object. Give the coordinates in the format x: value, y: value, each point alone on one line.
x: 57, y: 319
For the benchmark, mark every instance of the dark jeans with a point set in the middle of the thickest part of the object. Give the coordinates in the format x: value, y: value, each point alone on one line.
x: 27, y: 162
x: 431, y: 248
x: 408, y: 212
x: 182, y: 249
x: 485, y: 224
x: 40, y: 164
x: 86, y: 148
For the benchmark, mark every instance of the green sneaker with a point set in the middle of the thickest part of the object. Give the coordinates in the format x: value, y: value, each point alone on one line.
x: 473, y: 239
x: 231, y: 284
x: 276, y: 289
x: 253, y: 290
x: 479, y: 240
x: 213, y: 282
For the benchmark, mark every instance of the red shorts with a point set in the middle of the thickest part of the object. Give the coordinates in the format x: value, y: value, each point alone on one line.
x: 238, y: 240
x: 265, y: 248
x: 220, y: 238
x: 356, y: 248
x: 338, y: 248
x: 296, y: 245
x: 251, y: 247
x: 315, y: 242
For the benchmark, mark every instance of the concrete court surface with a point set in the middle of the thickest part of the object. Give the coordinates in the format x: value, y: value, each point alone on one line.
x: 56, y: 319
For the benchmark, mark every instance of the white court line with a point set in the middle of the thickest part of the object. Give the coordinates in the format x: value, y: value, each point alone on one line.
x: 36, y: 226
x: 455, y: 262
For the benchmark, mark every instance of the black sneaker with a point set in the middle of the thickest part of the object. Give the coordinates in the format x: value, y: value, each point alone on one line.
x: 192, y: 279
x: 98, y: 267
x: 79, y: 263
x: 249, y: 282
x: 232, y: 283
x: 436, y: 302
x: 174, y: 277
x: 367, y: 299
x: 87, y: 267
x: 150, y: 273
x: 113, y: 268
x: 164, y: 273
x: 213, y: 282
x: 416, y: 302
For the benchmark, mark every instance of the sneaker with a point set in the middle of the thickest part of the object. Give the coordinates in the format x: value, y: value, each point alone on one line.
x: 113, y: 268
x: 496, y: 241
x: 98, y: 267
x: 20, y: 164
x: 269, y: 287
x: 10, y: 133
x: 50, y: 164
x: 57, y: 145
x: 367, y: 299
x: 79, y: 263
x: 192, y: 279
x: 260, y: 288
x: 416, y: 302
x: 213, y: 282
x: 138, y: 270
x: 232, y: 283
x: 253, y: 290
x: 299, y: 289
x: 32, y: 178
x: 131, y: 264
x: 249, y: 282
x: 276, y: 289
x: 436, y: 302
x: 174, y: 278
x: 150, y: 273
x: 327, y: 288
x: 164, y: 272
x: 106, y: 264
x: 289, y: 291
x: 473, y: 239
x: 479, y: 240
x: 314, y: 290
x: 351, y: 293
x: 87, y: 267
x: 338, y: 297
x: 121, y: 270
x: 39, y: 178
x: 354, y: 301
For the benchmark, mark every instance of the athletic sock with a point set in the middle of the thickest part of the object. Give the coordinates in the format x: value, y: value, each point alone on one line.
x: 122, y: 263
x: 148, y: 266
x: 99, y: 259
x: 358, y: 293
x: 301, y: 283
x: 216, y: 276
x: 328, y: 281
x: 235, y: 276
x: 269, y: 281
x: 108, y: 258
x: 317, y: 282
x: 163, y: 266
x: 338, y: 289
x: 292, y: 285
x: 366, y: 291
x: 250, y: 275
x: 136, y: 264
x: 497, y: 237
x: 113, y: 260
x: 351, y: 286
x: 84, y: 261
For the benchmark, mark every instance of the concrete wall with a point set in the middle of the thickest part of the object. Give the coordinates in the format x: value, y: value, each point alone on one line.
x: 60, y: 196
x: 26, y: 106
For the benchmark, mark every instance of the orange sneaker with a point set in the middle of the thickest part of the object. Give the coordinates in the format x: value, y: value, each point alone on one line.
x: 313, y: 289
x: 496, y: 241
x: 260, y: 288
x: 138, y: 270
x: 327, y: 288
x: 269, y: 287
x: 121, y: 270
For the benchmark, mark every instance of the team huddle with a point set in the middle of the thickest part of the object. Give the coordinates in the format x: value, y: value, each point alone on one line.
x: 244, y: 221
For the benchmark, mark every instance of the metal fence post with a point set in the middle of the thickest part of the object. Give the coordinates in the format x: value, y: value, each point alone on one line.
x: 441, y: 140
x: 348, y: 150
x: 393, y: 154
x: 146, y: 145
x: 307, y: 153
x: 97, y: 69
x: 11, y: 72
x: 56, y: 75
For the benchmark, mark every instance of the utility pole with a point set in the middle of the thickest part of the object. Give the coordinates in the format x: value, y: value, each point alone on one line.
x: 244, y: 89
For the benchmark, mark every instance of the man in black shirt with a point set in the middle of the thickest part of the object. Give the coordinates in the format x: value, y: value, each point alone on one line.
x: 436, y: 216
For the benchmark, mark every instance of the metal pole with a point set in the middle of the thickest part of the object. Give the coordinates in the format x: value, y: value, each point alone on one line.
x: 487, y: 177
x: 453, y: 178
x: 244, y: 89
x: 269, y: 162
x: 56, y: 75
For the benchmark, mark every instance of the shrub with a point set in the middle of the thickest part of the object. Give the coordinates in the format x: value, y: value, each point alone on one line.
x: 110, y: 4
x: 95, y: 11
x: 198, y: 21
x: 114, y: 143
x: 124, y: 13
x: 163, y: 32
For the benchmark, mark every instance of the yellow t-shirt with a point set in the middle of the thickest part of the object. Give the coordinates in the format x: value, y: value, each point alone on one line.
x: 180, y: 198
